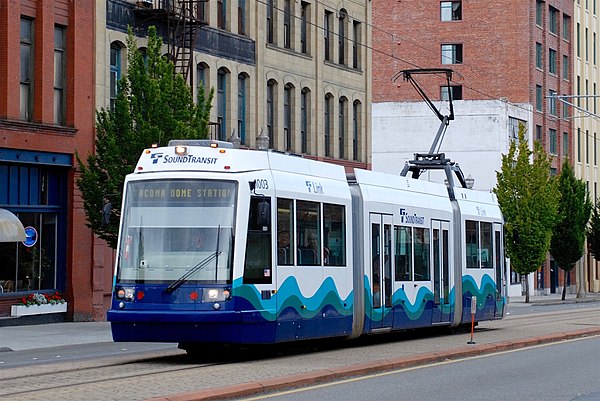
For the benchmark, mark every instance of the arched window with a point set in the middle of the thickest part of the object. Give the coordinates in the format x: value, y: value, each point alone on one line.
x: 271, y: 110
x: 356, y: 124
x: 342, y: 127
x: 202, y: 79
x: 288, y: 112
x: 327, y: 106
x: 342, y: 21
x: 116, y: 51
x: 222, y: 77
x: 304, y: 120
x: 242, y: 88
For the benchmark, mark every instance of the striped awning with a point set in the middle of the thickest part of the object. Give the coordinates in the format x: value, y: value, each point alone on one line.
x: 11, y: 228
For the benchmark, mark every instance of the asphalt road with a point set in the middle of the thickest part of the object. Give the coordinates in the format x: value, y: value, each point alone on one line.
x: 558, y: 371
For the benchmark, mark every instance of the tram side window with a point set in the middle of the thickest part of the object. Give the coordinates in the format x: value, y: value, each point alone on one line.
x: 472, y: 243
x: 403, y: 256
x: 487, y: 252
x: 257, y: 267
x: 308, y: 233
x: 422, y: 252
x: 334, y: 229
x: 285, y: 231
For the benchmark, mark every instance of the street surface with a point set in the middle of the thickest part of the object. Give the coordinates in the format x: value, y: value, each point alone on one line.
x: 159, y: 372
x: 559, y: 371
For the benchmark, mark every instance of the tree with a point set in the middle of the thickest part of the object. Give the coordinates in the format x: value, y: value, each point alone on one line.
x: 593, y: 232
x: 528, y: 198
x: 574, y: 210
x: 153, y: 106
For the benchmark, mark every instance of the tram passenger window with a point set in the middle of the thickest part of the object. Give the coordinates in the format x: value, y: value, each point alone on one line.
x: 285, y: 231
x: 308, y: 233
x: 257, y: 266
x: 472, y: 243
x: 422, y: 251
x: 403, y: 256
x: 486, y: 246
x: 334, y: 228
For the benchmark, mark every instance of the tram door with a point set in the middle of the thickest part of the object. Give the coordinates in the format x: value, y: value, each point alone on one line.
x: 499, y: 265
x: 381, y: 270
x: 441, y: 271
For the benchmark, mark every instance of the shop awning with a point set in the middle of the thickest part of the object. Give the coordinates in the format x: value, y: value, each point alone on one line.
x: 11, y: 229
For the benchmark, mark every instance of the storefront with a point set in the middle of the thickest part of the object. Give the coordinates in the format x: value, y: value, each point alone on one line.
x: 33, y: 187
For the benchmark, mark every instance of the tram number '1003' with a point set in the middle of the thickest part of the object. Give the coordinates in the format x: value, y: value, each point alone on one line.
x: 261, y: 184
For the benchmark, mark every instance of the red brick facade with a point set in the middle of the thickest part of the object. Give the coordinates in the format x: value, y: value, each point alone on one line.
x: 87, y: 267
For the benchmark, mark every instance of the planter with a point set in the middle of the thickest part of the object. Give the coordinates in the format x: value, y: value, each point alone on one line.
x: 22, y: 310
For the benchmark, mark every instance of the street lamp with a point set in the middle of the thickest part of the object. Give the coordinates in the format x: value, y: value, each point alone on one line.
x: 262, y: 140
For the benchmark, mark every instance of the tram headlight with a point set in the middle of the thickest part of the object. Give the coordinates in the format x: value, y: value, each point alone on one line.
x: 215, y: 295
x: 125, y: 293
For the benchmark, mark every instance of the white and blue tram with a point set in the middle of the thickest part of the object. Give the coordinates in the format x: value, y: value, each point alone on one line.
x: 230, y: 246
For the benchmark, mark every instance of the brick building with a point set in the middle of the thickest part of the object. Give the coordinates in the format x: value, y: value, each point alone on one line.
x: 508, y: 60
x: 46, y: 115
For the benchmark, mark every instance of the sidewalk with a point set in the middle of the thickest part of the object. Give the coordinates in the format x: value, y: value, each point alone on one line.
x: 19, y: 338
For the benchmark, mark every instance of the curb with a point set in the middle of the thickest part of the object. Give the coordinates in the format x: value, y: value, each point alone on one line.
x: 327, y: 375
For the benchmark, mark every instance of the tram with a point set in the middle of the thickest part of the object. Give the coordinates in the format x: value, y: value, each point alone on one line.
x: 231, y: 246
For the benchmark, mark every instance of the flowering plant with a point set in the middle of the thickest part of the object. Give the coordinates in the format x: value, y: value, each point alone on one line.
x: 42, y: 299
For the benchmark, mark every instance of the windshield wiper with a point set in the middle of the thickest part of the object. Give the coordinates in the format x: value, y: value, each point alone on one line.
x: 176, y: 284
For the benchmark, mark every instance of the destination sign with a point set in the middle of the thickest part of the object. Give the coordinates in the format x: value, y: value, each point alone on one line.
x: 182, y: 193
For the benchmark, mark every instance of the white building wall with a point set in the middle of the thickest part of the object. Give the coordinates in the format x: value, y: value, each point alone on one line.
x: 476, y: 139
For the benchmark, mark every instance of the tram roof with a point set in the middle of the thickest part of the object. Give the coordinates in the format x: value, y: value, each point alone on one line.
x: 226, y: 160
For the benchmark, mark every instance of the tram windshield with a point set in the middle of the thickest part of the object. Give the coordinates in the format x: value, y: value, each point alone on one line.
x: 172, y: 226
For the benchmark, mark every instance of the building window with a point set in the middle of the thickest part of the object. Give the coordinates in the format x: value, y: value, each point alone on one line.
x: 304, y: 119
x: 452, y: 54
x: 241, y: 17
x: 327, y: 123
x: 552, y: 62
x: 115, y: 72
x: 455, y: 93
x: 538, y: 56
x: 202, y: 78
x: 565, y: 144
x: 201, y: 10
x: 553, y: 20
x: 342, y: 127
x: 327, y: 34
x: 565, y: 68
x: 242, y: 79
x: 513, y: 128
x: 288, y: 107
x: 578, y: 39
x: 356, y: 124
x: 594, y: 51
x: 579, y: 145
x: 342, y: 22
x: 587, y: 147
x: 587, y: 45
x: 450, y: 11
x: 539, y: 99
x: 356, y: 44
x: 539, y: 10
x: 287, y: 24
x: 271, y: 87
x: 566, y: 27
x: 222, y: 14
x: 270, y: 22
x: 222, y: 103
x: 538, y: 133
x: 552, y: 134
x: 595, y: 99
x: 552, y: 103
x: 304, y: 31
x: 59, y: 75
x: 26, y: 89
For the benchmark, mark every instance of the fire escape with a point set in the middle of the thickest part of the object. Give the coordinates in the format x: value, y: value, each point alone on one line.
x: 183, y: 19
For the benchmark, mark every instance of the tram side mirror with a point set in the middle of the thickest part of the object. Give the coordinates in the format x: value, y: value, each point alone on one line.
x: 106, y: 211
x: 263, y: 214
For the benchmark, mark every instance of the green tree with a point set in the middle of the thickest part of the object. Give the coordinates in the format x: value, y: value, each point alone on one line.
x: 574, y: 210
x: 153, y: 106
x: 528, y: 198
x: 593, y: 232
